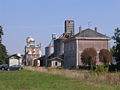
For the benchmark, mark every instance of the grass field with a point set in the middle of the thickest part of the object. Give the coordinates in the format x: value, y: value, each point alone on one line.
x: 28, y: 80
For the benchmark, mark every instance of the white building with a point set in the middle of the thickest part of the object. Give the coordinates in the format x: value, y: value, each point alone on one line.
x: 15, y: 59
x: 32, y: 51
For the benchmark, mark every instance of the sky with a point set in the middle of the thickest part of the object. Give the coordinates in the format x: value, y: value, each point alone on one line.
x: 40, y: 18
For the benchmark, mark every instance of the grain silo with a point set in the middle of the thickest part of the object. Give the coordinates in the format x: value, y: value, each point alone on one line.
x: 32, y: 51
x: 59, y: 46
x: 49, y: 50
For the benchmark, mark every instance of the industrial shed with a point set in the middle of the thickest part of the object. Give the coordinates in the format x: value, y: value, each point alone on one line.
x: 55, y: 62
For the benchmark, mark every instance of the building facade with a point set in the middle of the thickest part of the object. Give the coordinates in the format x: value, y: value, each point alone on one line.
x: 15, y: 59
x: 32, y: 51
x: 74, y: 46
x: 55, y: 62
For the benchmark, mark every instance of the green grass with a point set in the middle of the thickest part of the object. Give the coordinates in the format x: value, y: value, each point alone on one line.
x: 28, y: 80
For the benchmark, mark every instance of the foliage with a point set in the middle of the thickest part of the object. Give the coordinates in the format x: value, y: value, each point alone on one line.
x: 116, y: 37
x: 112, y: 50
x: 88, y: 56
x: 3, y: 54
x: 1, y: 33
x: 101, y: 69
x: 3, y: 51
x: 105, y: 56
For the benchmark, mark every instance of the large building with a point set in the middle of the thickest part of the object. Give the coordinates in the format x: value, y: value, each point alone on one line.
x: 74, y: 46
x: 32, y: 51
x: 66, y: 50
x: 55, y: 51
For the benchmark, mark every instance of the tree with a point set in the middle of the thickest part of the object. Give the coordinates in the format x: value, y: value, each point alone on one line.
x: 112, y: 50
x: 105, y: 56
x: 1, y: 33
x: 3, y: 51
x: 88, y: 56
x: 3, y: 54
x: 116, y: 37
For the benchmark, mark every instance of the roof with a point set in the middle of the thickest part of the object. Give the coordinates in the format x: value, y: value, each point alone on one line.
x: 56, y: 58
x: 15, y: 55
x: 41, y: 58
x: 89, y: 33
x: 62, y: 38
x: 69, y: 20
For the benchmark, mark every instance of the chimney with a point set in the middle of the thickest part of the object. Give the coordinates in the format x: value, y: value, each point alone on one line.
x: 95, y: 29
x: 80, y: 29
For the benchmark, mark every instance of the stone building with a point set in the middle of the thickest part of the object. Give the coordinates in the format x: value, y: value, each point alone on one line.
x: 74, y: 46
x: 32, y: 51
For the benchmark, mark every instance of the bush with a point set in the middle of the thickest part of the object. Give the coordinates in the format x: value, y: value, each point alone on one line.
x: 105, y: 56
x: 88, y: 56
x: 101, y: 69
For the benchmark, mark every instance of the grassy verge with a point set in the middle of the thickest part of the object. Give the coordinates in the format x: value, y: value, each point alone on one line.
x: 28, y: 80
x: 110, y: 79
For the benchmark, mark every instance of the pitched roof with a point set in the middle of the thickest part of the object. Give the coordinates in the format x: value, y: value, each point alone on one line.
x: 89, y: 33
x: 56, y: 59
x: 14, y: 55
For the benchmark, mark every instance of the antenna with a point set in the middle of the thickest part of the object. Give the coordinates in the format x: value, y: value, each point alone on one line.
x: 89, y: 24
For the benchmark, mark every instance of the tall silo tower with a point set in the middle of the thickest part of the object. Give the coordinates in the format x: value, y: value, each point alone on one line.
x: 69, y: 27
x: 32, y: 51
x: 49, y: 50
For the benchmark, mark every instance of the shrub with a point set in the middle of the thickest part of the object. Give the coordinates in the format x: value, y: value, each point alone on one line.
x: 101, y: 69
x: 88, y: 57
x: 105, y: 56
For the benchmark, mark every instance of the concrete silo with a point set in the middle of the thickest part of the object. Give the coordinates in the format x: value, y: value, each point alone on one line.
x: 49, y: 50
x: 59, y: 46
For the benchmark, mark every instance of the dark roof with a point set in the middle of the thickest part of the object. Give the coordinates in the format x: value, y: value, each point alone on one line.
x: 15, y: 55
x: 41, y: 58
x: 62, y: 38
x: 56, y: 58
x: 90, y: 33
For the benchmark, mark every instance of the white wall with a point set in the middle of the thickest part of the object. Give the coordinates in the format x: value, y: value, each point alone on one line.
x: 13, y: 61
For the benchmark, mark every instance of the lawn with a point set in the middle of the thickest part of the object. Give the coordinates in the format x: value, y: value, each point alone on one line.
x: 28, y: 80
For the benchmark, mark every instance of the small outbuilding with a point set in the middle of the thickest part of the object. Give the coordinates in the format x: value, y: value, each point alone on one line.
x: 55, y: 62
x: 15, y: 59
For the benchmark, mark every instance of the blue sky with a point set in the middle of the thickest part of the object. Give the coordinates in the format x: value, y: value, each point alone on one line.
x: 40, y: 18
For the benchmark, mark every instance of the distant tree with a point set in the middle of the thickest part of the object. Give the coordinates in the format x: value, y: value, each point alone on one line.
x: 3, y: 51
x: 3, y: 54
x: 88, y: 56
x: 1, y: 33
x: 105, y: 56
x: 116, y: 37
